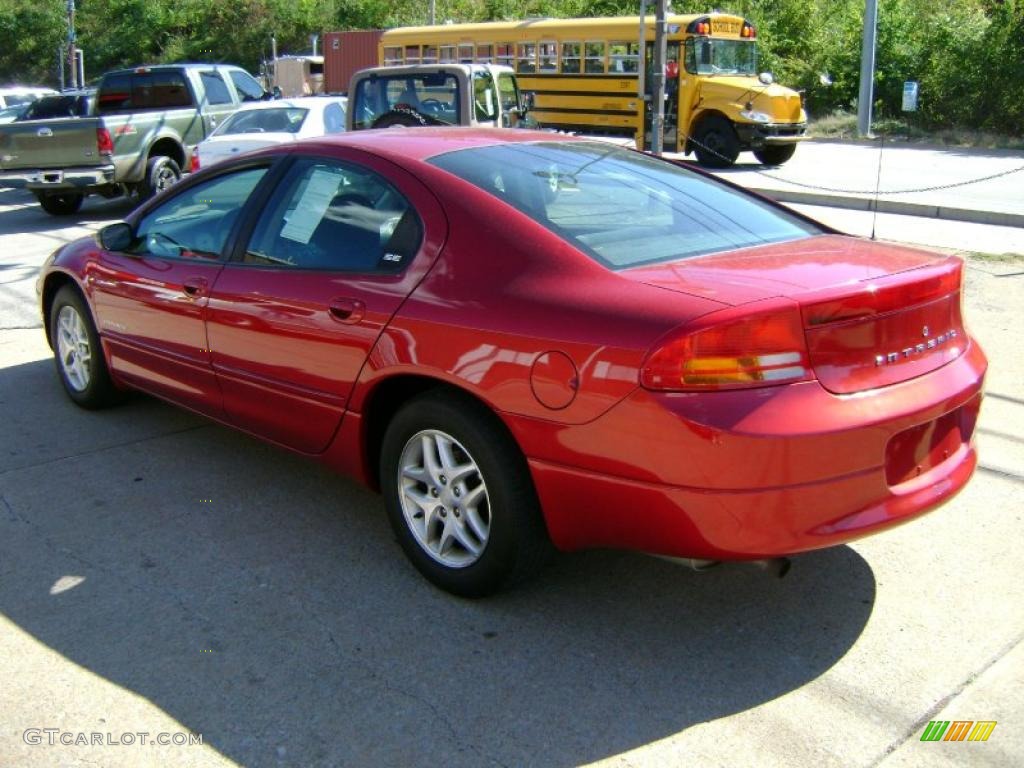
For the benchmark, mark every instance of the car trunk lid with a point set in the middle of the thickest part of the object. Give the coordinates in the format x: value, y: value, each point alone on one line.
x: 873, y: 314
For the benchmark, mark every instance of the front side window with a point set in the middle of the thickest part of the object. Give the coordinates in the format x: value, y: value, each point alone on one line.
x: 247, y: 86
x: 196, y: 223
x: 622, y: 208
x: 484, y: 102
x: 335, y: 216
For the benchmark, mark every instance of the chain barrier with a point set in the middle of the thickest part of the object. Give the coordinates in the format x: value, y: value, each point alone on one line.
x: 935, y: 188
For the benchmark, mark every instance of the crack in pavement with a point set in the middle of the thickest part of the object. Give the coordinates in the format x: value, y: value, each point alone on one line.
x: 938, y: 706
x: 105, y: 448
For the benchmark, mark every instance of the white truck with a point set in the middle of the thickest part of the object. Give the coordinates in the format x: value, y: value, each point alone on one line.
x: 435, y: 94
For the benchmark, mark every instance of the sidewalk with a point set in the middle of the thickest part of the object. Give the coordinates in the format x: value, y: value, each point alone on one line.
x: 844, y: 175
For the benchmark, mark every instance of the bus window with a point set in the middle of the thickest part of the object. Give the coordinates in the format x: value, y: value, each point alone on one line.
x: 527, y: 60
x: 571, y: 58
x: 485, y: 54
x: 594, y: 58
x: 465, y: 53
x: 392, y: 54
x: 430, y: 54
x: 507, y: 54
x: 548, y: 56
x: 623, y: 58
x: 448, y: 54
x: 412, y: 54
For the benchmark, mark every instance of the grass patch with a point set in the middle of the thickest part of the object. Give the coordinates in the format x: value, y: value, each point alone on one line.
x: 994, y: 258
x: 843, y: 125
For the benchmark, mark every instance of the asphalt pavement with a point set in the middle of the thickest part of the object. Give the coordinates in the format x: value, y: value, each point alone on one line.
x: 161, y: 574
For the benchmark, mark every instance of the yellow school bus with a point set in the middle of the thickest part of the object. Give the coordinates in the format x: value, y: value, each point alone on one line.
x: 584, y: 76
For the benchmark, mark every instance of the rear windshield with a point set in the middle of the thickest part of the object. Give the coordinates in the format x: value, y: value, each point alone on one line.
x: 623, y: 208
x: 50, y: 107
x: 139, y: 91
x: 425, y: 99
x: 274, y: 120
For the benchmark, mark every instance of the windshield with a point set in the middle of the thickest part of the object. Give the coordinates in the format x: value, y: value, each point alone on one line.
x: 705, y: 56
x: 621, y: 207
x: 274, y: 120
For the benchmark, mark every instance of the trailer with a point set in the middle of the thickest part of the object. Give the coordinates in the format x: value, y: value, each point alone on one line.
x: 347, y: 52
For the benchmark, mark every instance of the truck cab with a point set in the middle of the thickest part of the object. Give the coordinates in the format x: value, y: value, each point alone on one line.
x: 435, y: 94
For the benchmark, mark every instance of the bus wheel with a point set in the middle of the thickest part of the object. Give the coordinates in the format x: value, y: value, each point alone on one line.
x: 775, y: 154
x: 715, y: 143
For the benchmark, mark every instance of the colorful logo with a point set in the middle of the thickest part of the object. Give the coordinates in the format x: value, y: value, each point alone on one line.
x: 958, y: 730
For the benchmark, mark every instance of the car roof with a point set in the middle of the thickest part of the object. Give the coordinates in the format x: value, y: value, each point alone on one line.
x: 423, y: 143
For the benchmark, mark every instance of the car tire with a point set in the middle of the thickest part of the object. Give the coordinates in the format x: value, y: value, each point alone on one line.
x: 715, y: 143
x: 408, y: 118
x: 161, y: 173
x: 775, y: 154
x: 459, y: 496
x: 61, y: 203
x: 78, y: 352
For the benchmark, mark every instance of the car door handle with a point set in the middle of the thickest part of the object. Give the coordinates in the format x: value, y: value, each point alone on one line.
x: 347, y: 310
x: 194, y: 287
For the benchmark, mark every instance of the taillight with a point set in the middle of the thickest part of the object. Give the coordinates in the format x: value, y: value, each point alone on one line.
x: 193, y: 164
x: 104, y: 144
x: 730, y: 351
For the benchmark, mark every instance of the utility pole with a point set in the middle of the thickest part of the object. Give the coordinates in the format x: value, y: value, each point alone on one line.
x: 867, y: 69
x: 658, y: 73
x: 71, y: 57
x: 433, y: 12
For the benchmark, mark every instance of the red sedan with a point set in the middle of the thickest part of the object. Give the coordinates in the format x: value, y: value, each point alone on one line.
x: 524, y: 339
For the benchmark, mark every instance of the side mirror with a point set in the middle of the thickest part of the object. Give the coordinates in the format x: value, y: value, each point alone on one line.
x: 527, y: 103
x: 766, y: 78
x: 276, y: 92
x: 115, y: 237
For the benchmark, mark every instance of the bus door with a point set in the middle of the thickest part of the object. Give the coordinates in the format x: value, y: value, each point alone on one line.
x: 674, y: 72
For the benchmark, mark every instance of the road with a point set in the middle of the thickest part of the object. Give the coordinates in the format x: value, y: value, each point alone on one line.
x: 159, y: 573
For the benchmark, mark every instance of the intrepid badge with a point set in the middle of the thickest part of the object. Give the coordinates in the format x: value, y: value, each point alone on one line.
x: 917, y: 349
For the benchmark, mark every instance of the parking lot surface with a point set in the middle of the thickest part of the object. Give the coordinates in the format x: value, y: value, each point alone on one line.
x: 160, y: 574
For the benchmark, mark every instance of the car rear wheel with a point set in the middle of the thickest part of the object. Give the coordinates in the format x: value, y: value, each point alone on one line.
x: 78, y: 353
x: 775, y: 154
x: 459, y: 496
x: 716, y: 144
x: 61, y: 204
x: 161, y: 173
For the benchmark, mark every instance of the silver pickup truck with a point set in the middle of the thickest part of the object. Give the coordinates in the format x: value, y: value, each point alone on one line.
x: 147, y: 120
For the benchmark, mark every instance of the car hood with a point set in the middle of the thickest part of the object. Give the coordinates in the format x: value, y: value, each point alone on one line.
x: 782, y: 269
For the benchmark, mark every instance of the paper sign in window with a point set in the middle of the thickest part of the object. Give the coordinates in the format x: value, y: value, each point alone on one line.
x: 309, y: 211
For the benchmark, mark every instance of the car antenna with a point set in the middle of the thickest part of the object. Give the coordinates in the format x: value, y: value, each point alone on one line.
x: 878, y: 183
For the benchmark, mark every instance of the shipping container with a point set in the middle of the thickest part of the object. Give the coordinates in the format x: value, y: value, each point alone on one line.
x: 347, y: 52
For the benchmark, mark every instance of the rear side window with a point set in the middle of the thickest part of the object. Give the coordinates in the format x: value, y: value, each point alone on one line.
x: 622, y: 208
x: 216, y: 89
x: 338, y: 217
x: 140, y: 91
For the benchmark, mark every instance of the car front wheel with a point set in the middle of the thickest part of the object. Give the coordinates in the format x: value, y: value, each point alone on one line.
x: 77, y: 351
x: 459, y: 496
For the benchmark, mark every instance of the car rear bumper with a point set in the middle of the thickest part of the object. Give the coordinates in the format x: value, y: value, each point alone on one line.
x: 58, y: 178
x: 766, y: 473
